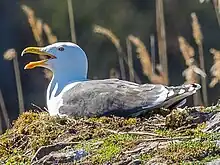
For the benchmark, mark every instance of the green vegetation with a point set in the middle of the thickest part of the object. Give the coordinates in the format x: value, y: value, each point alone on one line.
x: 189, y: 151
x: 110, y: 139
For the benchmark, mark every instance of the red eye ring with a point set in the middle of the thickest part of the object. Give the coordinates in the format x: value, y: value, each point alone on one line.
x: 61, y: 48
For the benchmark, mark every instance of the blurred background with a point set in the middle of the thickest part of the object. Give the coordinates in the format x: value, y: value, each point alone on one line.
x: 146, y: 41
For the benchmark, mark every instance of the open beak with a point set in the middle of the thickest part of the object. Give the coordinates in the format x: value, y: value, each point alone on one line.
x: 40, y: 52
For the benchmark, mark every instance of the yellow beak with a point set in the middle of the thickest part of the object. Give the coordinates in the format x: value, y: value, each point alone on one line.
x: 37, y: 51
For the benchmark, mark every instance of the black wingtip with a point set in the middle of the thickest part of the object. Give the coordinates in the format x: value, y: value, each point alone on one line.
x: 196, y: 86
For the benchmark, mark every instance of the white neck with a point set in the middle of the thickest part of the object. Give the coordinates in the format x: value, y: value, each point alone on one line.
x: 55, y: 90
x: 58, y: 83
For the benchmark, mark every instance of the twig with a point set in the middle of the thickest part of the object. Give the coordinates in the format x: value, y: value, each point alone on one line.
x: 1, y: 127
x: 17, y: 142
x: 134, y: 133
x: 161, y: 38
x: 36, y: 106
x: 152, y: 50
x: 121, y: 64
x: 71, y: 19
x: 163, y: 139
x: 215, y: 5
x: 134, y: 151
x: 202, y: 66
x: 18, y: 84
x: 4, y: 147
x: 130, y: 60
x: 4, y: 111
x: 45, y: 108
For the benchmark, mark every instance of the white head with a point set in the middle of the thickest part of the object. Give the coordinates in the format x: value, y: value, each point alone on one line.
x: 65, y: 59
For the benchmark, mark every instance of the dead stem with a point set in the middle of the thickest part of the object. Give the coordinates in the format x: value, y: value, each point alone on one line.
x: 71, y: 20
x: 4, y: 111
x: 133, y: 133
x: 130, y: 60
x: 161, y: 33
x: 198, y: 36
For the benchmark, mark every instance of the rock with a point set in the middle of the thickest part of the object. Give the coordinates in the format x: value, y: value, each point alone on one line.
x: 135, y: 162
x: 62, y: 157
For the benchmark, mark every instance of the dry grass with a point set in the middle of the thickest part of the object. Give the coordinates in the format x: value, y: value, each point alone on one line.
x: 109, y: 34
x: 192, y: 71
x: 161, y: 38
x: 115, y: 40
x: 34, y: 23
x: 130, y: 60
x: 38, y: 28
x: 216, y: 5
x: 144, y: 57
x: 50, y: 36
x: 11, y: 54
x: 198, y: 37
x: 4, y: 113
x: 186, y: 50
x: 215, y: 69
x: 197, y: 33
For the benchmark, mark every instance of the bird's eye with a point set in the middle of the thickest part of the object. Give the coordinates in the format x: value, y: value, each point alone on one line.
x: 61, y: 48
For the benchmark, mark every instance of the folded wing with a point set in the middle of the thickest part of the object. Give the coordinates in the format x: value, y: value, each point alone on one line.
x: 120, y: 98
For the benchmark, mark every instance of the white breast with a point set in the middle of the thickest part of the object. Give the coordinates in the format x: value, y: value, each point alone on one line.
x: 55, y: 102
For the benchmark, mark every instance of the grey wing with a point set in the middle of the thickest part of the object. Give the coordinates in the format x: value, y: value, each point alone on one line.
x: 111, y: 96
x: 120, y: 98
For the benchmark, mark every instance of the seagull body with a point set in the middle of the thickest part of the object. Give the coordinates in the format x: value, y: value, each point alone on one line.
x: 70, y: 93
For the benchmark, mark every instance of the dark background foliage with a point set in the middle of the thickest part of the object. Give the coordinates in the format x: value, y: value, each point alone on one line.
x: 123, y: 17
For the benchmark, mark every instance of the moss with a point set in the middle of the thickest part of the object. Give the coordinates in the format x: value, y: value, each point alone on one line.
x: 214, y: 108
x: 33, y: 130
x: 145, y: 156
x: 30, y: 131
x: 177, y: 118
x: 106, y: 150
x: 201, y: 147
x: 189, y: 150
x: 116, y: 122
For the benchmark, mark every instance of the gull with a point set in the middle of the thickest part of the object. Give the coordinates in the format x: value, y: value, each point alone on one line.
x: 71, y: 93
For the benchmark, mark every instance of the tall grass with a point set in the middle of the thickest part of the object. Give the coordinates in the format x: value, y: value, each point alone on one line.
x: 144, y: 56
x: 4, y: 112
x: 161, y: 35
x: 71, y: 20
x: 115, y: 40
x: 34, y: 24
x: 215, y: 69
x: 191, y: 72
x: 38, y: 28
x: 11, y: 54
x: 197, y: 34
x: 130, y: 60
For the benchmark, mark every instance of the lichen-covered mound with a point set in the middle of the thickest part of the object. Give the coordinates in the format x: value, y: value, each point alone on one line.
x: 179, y: 137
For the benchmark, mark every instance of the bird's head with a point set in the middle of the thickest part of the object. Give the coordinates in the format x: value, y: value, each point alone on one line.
x: 60, y: 57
